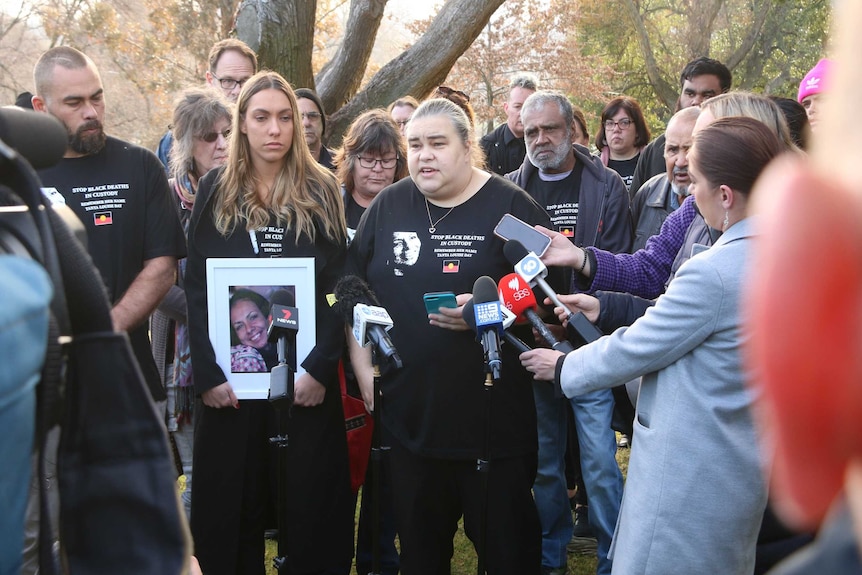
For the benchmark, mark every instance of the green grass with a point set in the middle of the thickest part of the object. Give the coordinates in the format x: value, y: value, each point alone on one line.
x: 464, y: 558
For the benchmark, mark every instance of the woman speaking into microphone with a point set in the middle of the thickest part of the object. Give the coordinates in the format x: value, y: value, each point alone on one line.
x: 434, y: 232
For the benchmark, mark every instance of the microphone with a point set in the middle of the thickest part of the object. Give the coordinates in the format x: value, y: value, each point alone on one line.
x: 283, y: 325
x: 39, y: 138
x: 359, y: 307
x: 486, y: 320
x: 516, y: 295
x: 508, y: 321
x: 533, y: 271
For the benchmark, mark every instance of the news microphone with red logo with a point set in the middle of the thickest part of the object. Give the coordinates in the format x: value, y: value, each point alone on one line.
x: 283, y: 325
x: 359, y: 307
x: 533, y: 271
x: 517, y: 297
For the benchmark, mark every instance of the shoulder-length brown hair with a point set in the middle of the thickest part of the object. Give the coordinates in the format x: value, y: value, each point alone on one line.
x: 304, y: 193
x: 633, y: 111
x: 373, y: 132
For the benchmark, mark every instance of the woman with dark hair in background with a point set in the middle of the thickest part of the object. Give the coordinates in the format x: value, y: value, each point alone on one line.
x: 372, y: 156
x: 201, y: 126
x: 270, y: 187
x: 622, y: 135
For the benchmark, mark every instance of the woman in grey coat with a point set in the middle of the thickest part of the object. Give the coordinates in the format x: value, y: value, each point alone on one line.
x: 695, y: 494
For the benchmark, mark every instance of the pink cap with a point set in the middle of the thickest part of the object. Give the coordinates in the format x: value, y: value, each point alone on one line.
x: 816, y: 80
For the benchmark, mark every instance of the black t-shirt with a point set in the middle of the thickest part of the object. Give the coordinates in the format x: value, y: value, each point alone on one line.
x: 435, y: 404
x: 353, y: 212
x: 121, y: 195
x: 560, y: 199
x: 625, y: 168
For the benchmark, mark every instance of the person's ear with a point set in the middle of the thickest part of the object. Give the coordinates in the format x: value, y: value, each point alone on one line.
x: 727, y: 196
x: 39, y: 104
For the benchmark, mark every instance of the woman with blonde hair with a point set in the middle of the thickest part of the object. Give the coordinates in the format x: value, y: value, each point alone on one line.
x: 271, y: 199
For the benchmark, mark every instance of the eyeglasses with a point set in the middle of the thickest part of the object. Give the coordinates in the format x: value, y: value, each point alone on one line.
x: 211, y: 137
x: 446, y: 91
x: 623, y: 124
x: 385, y: 163
x: 229, y: 83
x: 311, y: 115
x: 402, y: 123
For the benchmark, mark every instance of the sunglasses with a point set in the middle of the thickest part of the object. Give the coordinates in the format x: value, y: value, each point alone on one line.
x: 446, y: 91
x: 211, y: 137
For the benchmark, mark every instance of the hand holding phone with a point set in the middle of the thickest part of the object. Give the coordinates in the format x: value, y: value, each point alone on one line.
x: 511, y: 228
x: 435, y: 300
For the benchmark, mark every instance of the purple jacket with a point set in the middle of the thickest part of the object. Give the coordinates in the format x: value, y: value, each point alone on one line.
x: 644, y: 272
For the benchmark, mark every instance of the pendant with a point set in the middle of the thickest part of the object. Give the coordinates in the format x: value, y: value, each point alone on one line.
x: 432, y: 230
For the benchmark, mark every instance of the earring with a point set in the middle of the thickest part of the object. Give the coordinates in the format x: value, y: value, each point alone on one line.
x: 726, y: 221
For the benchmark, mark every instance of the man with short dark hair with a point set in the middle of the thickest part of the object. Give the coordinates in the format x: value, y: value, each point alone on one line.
x: 231, y: 64
x: 700, y: 80
x: 504, y: 147
x: 314, y: 125
x: 120, y: 193
x: 587, y: 203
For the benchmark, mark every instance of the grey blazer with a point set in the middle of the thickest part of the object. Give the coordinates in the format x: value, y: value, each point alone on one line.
x: 695, y: 493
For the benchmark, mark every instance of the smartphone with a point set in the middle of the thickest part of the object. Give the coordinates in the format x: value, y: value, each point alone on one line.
x: 511, y: 228
x: 435, y: 300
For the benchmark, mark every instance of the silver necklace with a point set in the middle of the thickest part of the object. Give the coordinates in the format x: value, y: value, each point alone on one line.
x: 432, y: 227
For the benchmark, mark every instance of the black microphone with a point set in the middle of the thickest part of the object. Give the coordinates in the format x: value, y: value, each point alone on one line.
x: 360, y: 309
x: 487, y: 321
x: 283, y: 325
x: 530, y: 267
x: 39, y: 138
x: 470, y: 317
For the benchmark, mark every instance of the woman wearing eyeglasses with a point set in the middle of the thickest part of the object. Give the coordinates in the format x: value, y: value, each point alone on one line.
x: 372, y: 157
x: 201, y: 126
x: 622, y: 135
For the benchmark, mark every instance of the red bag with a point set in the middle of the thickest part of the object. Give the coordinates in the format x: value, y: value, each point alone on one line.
x: 359, y: 426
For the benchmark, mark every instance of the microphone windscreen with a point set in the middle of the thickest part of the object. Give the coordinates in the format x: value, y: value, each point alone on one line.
x: 516, y: 294
x: 349, y: 291
x: 282, y: 297
x: 469, y: 315
x: 515, y: 251
x: 40, y: 138
x: 485, y: 290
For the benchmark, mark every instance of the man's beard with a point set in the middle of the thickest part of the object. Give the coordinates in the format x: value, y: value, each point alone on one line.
x: 681, y: 191
x: 560, y: 154
x: 91, y: 143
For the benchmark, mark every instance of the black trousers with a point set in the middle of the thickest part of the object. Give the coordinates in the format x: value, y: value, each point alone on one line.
x: 432, y: 494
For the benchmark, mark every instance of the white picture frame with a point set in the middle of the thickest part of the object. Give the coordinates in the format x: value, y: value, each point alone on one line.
x: 263, y: 275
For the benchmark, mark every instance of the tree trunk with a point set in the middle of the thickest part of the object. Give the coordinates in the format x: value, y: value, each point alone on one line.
x: 340, y: 78
x: 422, y: 67
x: 282, y: 33
x: 665, y: 91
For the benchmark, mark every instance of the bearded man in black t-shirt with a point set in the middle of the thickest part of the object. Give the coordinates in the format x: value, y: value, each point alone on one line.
x: 120, y: 193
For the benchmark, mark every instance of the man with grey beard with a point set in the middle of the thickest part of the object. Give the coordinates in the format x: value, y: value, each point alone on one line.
x: 587, y: 203
x: 663, y: 193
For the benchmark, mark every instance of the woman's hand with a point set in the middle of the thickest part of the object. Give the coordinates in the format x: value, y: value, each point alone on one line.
x: 307, y: 391
x: 451, y: 317
x: 220, y: 396
x: 542, y: 363
x: 578, y: 302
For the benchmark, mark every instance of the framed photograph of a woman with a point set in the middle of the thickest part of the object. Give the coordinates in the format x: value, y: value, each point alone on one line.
x: 239, y: 293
